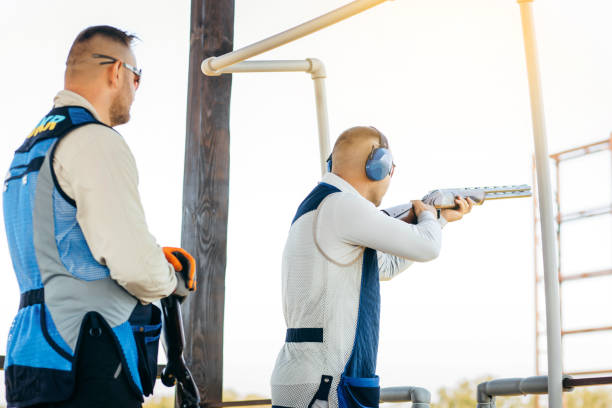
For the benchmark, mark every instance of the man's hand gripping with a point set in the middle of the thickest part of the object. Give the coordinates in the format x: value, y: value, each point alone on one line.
x: 184, y: 264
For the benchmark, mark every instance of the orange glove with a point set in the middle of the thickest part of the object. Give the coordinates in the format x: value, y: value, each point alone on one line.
x: 183, y: 262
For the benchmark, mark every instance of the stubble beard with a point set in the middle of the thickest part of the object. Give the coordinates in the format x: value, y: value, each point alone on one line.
x: 119, y: 110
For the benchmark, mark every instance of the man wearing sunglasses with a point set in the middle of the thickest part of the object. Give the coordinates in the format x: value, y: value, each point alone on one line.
x: 339, y: 247
x: 86, y: 334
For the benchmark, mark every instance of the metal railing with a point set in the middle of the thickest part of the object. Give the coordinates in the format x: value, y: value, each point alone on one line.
x: 420, y: 398
x: 487, y: 391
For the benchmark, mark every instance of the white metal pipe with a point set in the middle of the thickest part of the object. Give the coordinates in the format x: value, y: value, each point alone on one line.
x: 212, y: 64
x: 316, y: 69
x: 551, y: 280
x: 322, y: 121
x: 267, y: 66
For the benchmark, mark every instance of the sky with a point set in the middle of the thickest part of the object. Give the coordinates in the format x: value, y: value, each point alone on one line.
x: 445, y: 81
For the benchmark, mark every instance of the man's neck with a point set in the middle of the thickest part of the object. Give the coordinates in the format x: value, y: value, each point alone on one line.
x: 95, y: 101
x: 363, y: 187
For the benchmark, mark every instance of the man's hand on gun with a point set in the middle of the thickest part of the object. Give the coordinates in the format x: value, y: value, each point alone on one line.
x: 184, y: 264
x: 463, y: 206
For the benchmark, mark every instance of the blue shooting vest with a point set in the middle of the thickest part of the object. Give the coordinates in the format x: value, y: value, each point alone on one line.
x: 61, y: 284
x: 359, y: 384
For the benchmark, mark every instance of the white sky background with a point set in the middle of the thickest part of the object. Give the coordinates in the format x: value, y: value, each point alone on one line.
x: 444, y: 80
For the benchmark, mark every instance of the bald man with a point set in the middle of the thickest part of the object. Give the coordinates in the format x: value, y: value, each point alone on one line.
x: 86, y: 334
x: 339, y: 247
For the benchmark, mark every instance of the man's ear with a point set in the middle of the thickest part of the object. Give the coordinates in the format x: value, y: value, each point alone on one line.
x: 112, y: 73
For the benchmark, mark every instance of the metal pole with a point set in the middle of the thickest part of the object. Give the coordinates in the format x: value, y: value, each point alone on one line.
x: 212, y: 64
x: 318, y: 77
x: 266, y: 66
x: 316, y: 69
x: 551, y: 280
x: 536, y: 399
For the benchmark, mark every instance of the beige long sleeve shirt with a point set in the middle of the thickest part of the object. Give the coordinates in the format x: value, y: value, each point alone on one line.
x: 95, y: 167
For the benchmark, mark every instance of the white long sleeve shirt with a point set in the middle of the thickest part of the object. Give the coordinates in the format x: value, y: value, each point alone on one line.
x: 95, y: 167
x: 353, y: 220
x: 321, y: 283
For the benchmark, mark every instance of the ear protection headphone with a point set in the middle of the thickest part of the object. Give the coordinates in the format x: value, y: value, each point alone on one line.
x: 380, y: 161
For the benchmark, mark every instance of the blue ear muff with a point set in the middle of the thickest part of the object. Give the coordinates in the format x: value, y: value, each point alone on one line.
x: 329, y: 163
x: 379, y: 164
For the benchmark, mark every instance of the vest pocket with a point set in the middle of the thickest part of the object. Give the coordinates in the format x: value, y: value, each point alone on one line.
x: 358, y: 392
x: 147, y: 343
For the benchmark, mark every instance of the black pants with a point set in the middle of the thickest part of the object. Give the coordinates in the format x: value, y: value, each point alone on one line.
x: 101, y: 379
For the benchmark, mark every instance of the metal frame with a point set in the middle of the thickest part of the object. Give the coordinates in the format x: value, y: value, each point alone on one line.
x: 560, y: 219
x: 551, y: 283
x: 215, y: 65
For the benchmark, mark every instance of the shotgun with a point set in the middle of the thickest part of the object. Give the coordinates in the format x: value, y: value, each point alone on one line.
x: 445, y: 198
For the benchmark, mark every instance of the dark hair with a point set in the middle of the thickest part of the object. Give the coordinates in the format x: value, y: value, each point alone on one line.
x: 79, y: 47
x: 107, y: 31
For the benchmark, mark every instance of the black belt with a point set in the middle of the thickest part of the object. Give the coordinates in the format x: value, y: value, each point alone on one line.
x: 304, y: 335
x: 32, y: 297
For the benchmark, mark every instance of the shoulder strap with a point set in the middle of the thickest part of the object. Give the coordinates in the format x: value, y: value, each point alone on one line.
x: 57, y: 123
x: 312, y: 201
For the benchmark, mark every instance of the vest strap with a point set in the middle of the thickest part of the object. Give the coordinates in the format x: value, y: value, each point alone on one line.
x: 304, y: 335
x: 323, y: 391
x: 32, y: 297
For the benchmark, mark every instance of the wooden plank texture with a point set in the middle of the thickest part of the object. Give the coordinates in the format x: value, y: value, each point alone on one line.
x: 206, y: 193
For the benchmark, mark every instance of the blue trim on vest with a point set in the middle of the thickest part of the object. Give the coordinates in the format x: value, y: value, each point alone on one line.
x: 28, y: 345
x: 79, y: 115
x: 362, y: 382
x: 312, y: 201
x: 126, y: 341
x: 304, y: 335
x: 362, y: 363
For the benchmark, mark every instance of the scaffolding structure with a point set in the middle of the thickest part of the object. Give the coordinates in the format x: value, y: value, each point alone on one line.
x: 561, y: 219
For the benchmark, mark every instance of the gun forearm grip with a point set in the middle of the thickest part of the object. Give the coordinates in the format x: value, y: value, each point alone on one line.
x: 445, y: 198
x: 399, y: 211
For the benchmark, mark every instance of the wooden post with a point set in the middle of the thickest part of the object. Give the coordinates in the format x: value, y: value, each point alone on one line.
x: 206, y: 193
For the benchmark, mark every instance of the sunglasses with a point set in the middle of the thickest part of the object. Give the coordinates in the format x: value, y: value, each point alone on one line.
x: 137, y: 72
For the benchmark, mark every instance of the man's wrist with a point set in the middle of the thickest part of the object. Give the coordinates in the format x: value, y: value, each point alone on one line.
x: 425, y: 215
